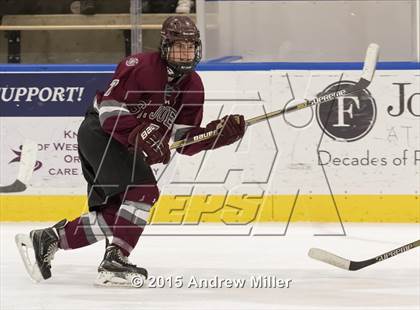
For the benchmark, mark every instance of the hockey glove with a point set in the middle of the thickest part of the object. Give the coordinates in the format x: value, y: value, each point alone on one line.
x: 148, y: 138
x: 231, y: 129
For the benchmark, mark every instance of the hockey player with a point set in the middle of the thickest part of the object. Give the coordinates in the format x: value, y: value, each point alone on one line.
x: 151, y: 98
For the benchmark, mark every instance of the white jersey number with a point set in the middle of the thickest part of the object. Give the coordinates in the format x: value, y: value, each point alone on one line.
x: 111, y: 87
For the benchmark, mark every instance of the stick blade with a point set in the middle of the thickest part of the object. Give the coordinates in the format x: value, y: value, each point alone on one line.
x: 329, y: 258
x: 371, y: 59
x: 16, y: 187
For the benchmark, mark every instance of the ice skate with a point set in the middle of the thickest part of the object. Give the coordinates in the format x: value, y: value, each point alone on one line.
x: 116, y: 270
x: 44, y: 243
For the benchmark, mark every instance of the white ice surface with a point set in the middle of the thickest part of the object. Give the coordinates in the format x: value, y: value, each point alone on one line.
x: 391, y: 284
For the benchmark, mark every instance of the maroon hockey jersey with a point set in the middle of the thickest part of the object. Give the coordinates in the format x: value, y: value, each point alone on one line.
x: 140, y: 91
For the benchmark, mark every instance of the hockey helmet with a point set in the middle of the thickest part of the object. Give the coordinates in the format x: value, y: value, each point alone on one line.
x: 175, y: 29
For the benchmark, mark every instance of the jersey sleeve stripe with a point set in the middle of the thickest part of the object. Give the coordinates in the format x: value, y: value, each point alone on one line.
x: 103, y: 116
x: 112, y: 109
x: 109, y: 108
x: 112, y: 103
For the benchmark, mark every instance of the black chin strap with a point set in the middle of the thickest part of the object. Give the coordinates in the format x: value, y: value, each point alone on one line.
x: 173, y: 76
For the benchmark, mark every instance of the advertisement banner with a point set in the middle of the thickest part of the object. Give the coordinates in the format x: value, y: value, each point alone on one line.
x: 364, y: 144
x: 49, y: 94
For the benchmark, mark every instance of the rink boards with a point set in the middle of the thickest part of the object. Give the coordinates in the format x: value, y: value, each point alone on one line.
x: 356, y: 161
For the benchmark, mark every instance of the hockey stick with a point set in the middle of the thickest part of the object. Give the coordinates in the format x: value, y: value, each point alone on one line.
x: 369, y: 67
x: 340, y: 262
x: 26, y: 168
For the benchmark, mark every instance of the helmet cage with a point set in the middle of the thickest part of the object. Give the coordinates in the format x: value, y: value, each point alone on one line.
x: 180, y: 67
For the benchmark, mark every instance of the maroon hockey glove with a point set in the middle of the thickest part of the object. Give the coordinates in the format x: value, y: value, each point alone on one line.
x: 232, y: 128
x: 148, y: 138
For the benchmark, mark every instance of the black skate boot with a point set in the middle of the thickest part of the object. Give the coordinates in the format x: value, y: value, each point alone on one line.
x: 116, y: 270
x: 45, y: 245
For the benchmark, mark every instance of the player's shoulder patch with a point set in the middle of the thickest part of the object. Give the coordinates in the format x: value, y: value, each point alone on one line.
x: 132, y: 61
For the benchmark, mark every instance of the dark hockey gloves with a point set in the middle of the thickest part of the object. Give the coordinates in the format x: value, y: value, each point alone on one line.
x: 148, y: 138
x: 232, y: 128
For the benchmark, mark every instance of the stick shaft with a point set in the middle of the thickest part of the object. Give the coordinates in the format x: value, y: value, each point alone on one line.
x: 257, y: 119
x: 304, y: 104
x: 389, y: 254
x: 366, y: 77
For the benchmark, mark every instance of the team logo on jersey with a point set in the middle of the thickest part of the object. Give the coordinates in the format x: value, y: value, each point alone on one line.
x: 132, y: 61
x: 137, y: 108
x: 347, y: 118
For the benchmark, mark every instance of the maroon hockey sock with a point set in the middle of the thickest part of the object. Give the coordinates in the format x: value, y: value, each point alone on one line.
x: 133, y: 215
x: 85, y: 230
x: 125, y: 223
x: 129, y: 226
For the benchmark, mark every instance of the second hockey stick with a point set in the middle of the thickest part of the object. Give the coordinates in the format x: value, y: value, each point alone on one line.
x: 369, y: 68
x: 343, y: 263
x: 26, y: 168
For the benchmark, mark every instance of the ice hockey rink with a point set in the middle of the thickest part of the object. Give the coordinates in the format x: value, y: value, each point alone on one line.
x: 223, y: 252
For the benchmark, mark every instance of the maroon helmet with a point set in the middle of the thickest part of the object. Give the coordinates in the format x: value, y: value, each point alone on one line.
x: 180, y: 28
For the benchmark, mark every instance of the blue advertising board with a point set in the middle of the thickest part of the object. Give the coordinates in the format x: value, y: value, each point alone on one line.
x: 48, y: 93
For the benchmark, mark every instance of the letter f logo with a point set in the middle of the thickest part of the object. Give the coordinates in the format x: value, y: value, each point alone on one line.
x: 341, y: 110
x: 346, y: 118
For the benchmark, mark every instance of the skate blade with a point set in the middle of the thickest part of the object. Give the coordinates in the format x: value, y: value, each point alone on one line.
x: 111, y: 279
x: 24, y: 243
